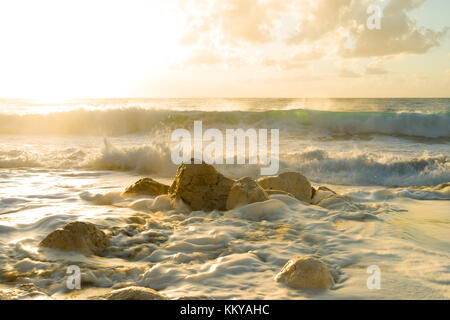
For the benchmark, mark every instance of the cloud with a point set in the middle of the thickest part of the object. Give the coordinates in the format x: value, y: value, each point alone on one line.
x: 234, y: 30
x: 301, y: 59
x: 346, y: 73
x: 202, y: 57
x: 209, y: 57
x: 230, y: 21
x: 399, y: 34
x: 346, y: 20
x: 347, y: 69
x: 376, y: 67
x: 323, y: 18
x: 249, y: 20
x: 269, y: 62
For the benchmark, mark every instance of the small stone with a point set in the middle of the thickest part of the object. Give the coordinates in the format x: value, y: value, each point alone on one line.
x: 132, y: 293
x: 305, y: 272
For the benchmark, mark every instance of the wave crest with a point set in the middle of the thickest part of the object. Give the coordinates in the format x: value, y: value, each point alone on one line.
x: 114, y: 122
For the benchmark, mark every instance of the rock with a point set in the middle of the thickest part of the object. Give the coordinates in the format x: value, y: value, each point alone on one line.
x: 335, y: 201
x: 24, y: 291
x: 195, y: 298
x: 321, y: 194
x: 201, y: 187
x: 305, y: 272
x: 147, y: 186
x: 77, y: 236
x: 162, y: 202
x: 327, y: 198
x: 291, y: 182
x: 323, y: 188
x: 245, y: 191
x: 132, y: 293
x: 274, y: 192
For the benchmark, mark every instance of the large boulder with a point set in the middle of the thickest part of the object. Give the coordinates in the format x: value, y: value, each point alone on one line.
x: 77, y: 236
x: 290, y: 182
x: 305, y: 272
x: 201, y: 187
x: 147, y: 186
x: 132, y: 293
x: 245, y: 191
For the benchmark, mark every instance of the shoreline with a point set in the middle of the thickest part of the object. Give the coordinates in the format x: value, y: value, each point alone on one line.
x: 249, y: 238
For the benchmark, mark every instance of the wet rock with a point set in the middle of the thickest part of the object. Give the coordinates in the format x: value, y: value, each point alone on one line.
x: 132, y: 293
x: 162, y: 202
x: 327, y: 198
x: 147, y: 186
x: 201, y: 187
x: 321, y: 194
x: 305, y: 272
x: 77, y: 236
x: 335, y: 201
x: 25, y: 291
x: 245, y: 191
x: 323, y: 188
x: 195, y: 298
x: 275, y: 192
x: 290, y: 182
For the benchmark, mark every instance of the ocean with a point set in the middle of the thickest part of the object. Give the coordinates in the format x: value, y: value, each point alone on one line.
x: 67, y: 161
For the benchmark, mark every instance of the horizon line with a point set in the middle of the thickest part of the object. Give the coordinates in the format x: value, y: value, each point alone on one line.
x: 174, y: 98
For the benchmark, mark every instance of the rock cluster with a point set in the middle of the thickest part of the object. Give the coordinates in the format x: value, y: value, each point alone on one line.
x: 202, y: 187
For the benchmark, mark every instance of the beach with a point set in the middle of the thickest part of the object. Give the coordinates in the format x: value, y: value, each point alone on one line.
x: 72, y: 161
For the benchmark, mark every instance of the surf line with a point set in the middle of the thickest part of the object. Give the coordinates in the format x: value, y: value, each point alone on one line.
x: 235, y: 147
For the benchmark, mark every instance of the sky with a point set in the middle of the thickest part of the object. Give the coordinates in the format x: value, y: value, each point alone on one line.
x: 53, y: 49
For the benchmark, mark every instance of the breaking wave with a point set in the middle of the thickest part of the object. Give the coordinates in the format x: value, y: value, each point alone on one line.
x: 121, y: 121
x: 319, y: 165
x: 371, y: 169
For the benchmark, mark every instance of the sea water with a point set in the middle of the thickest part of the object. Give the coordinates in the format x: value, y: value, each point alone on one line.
x: 61, y: 162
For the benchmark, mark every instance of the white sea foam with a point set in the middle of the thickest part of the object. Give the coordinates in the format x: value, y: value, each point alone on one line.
x: 390, y: 163
x: 230, y: 255
x: 354, y: 167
